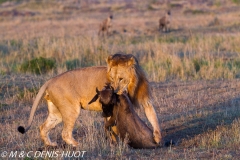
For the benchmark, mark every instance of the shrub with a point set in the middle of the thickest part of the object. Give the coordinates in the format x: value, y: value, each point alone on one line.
x: 72, y: 64
x: 2, y: 1
x: 38, y: 65
x: 236, y: 1
x: 198, y: 63
x: 194, y: 11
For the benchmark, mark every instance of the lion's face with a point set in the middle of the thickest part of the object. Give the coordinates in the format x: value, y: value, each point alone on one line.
x: 121, y: 73
x: 119, y: 77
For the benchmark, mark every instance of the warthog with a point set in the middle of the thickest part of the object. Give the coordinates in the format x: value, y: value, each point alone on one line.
x: 123, y: 116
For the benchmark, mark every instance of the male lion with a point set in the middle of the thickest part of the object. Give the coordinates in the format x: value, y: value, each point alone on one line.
x: 72, y: 90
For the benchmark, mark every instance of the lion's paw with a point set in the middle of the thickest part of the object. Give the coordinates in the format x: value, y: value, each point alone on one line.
x: 157, y: 137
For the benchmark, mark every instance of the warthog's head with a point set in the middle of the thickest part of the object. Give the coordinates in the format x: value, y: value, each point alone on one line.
x: 107, y: 98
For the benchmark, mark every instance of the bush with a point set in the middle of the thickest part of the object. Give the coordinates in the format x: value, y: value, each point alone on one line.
x: 38, y: 65
x: 72, y: 64
x: 236, y: 1
x: 198, y: 63
x: 2, y: 1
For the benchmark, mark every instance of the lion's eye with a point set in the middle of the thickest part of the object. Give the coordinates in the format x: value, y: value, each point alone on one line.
x: 120, y: 79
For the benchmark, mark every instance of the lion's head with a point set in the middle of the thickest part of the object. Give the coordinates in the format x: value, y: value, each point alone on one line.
x: 125, y: 74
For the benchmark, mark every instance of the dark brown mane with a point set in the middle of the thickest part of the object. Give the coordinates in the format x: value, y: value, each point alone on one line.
x: 119, y: 58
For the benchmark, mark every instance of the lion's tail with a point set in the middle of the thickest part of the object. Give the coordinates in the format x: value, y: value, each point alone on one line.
x: 21, y: 129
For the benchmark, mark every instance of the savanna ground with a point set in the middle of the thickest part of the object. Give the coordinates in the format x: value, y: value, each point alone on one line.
x: 194, y: 71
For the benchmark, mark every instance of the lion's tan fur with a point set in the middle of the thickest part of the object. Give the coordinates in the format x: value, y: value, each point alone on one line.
x: 72, y: 90
x: 127, y: 67
x: 138, y: 85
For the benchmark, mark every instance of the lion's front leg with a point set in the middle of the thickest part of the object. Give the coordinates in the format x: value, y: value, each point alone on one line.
x: 152, y: 117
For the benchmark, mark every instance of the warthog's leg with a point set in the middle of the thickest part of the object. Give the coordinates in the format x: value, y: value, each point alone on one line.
x: 110, y: 124
x: 54, y: 118
x: 114, y: 134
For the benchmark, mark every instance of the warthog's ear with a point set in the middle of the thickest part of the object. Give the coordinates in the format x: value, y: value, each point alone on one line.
x: 111, y: 88
x: 107, y: 85
x: 97, y: 91
x: 95, y: 97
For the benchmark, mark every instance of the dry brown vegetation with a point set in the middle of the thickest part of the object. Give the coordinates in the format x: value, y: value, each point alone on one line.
x: 194, y: 71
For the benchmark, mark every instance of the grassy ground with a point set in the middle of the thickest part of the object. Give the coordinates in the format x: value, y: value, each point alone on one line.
x: 193, y: 69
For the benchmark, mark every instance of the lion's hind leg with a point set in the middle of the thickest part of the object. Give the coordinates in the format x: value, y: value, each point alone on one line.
x: 54, y: 118
x: 69, y: 119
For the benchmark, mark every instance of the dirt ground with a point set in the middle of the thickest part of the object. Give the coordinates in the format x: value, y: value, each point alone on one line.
x: 185, y: 110
x: 193, y: 114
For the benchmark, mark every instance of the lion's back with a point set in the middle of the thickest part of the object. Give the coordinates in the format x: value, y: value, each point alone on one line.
x: 79, y: 84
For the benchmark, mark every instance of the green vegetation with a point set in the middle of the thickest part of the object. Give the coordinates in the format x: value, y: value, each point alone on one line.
x: 195, y: 11
x: 72, y: 64
x: 1, y: 1
x: 171, y: 39
x: 236, y: 1
x: 38, y: 65
x: 187, y: 57
x: 194, y: 72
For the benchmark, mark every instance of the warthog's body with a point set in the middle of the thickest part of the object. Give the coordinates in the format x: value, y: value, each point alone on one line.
x: 128, y: 123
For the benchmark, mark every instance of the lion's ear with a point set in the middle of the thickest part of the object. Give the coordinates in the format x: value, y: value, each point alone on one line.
x: 131, y: 61
x: 108, y: 69
x: 109, y: 61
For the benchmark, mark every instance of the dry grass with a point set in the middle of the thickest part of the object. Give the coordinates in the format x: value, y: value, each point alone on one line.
x: 194, y: 69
